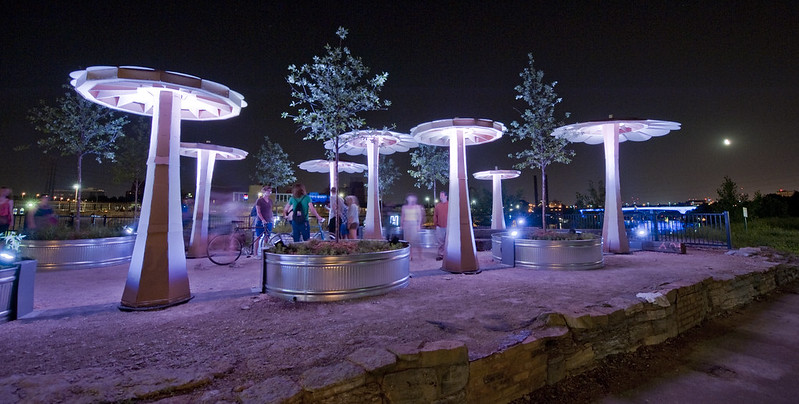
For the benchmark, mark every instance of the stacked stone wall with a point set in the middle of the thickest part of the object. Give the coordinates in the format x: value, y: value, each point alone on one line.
x: 558, y: 346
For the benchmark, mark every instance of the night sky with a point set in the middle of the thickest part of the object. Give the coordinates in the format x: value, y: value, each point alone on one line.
x: 722, y: 69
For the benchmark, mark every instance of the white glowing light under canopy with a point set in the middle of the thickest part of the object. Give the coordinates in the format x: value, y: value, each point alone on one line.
x: 610, y: 133
x: 372, y: 142
x: 326, y: 166
x: 206, y: 155
x: 460, y: 253
x: 133, y: 89
x: 496, y: 177
x: 157, y: 275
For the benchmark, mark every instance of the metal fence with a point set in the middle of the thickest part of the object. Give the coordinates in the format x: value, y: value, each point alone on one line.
x: 708, y: 229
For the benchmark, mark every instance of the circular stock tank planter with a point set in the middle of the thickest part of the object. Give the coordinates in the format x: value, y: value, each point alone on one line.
x: 79, y: 254
x: 552, y: 254
x: 326, y: 278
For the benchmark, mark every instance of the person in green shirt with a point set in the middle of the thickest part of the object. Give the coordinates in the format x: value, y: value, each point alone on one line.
x: 297, y: 210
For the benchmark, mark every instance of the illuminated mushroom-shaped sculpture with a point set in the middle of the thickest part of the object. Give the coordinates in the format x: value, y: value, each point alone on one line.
x: 157, y: 275
x: 327, y: 166
x: 206, y: 155
x: 371, y: 143
x: 610, y: 132
x: 496, y: 176
x: 460, y: 254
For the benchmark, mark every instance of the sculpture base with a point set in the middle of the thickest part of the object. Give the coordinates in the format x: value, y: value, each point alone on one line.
x: 156, y: 306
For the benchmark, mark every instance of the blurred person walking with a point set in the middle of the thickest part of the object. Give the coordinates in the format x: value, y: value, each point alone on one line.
x: 440, y: 221
x: 411, y: 220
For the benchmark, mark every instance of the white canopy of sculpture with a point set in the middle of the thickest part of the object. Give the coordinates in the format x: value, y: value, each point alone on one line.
x: 206, y: 155
x: 326, y: 166
x: 371, y: 143
x: 157, y: 276
x: 460, y: 253
x: 611, y: 132
x: 496, y: 176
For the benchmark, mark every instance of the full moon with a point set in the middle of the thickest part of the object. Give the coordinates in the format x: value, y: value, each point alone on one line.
x: 727, y: 142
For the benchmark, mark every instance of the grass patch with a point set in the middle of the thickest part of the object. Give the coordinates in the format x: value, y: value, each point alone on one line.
x: 780, y: 233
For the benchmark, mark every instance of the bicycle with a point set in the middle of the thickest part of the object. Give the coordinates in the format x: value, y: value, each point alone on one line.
x: 225, y: 249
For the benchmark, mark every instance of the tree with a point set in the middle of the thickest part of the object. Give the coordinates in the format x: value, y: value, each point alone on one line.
x: 131, y: 158
x: 329, y: 93
x: 389, y: 174
x: 78, y: 127
x: 729, y: 195
x: 538, y: 122
x: 272, y: 165
x: 431, y: 165
x: 594, y: 198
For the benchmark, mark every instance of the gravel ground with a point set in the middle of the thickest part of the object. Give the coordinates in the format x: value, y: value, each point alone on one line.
x: 76, y: 343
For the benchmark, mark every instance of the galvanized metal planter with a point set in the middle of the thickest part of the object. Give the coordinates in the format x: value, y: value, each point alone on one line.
x: 8, y: 277
x: 552, y: 254
x: 325, y: 278
x: 79, y: 254
x: 16, y: 290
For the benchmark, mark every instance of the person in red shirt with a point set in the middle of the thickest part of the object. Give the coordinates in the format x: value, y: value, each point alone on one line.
x: 440, y: 221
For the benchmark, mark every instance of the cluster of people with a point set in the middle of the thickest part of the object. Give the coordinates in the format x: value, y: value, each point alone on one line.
x: 43, y: 216
x: 343, y: 217
x: 343, y: 214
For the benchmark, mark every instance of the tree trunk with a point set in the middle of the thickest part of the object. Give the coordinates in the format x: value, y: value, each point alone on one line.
x: 335, y: 197
x: 543, y: 198
x: 135, y: 197
x: 78, y: 193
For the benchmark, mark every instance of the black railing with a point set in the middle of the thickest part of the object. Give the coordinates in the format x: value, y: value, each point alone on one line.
x: 708, y: 229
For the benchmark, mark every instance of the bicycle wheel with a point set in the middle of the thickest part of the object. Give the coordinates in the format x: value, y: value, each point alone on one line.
x: 286, y: 238
x: 224, y: 249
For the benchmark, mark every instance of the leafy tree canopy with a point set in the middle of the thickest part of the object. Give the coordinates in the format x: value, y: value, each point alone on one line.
x: 537, y: 123
x: 329, y: 93
x: 77, y: 126
x: 430, y: 164
x: 273, y: 166
x: 389, y: 174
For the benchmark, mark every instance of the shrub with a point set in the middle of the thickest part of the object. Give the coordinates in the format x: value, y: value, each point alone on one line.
x: 342, y: 247
x: 551, y: 235
x: 63, y: 232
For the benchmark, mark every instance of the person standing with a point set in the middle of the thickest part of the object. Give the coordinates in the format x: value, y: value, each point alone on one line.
x: 6, y: 210
x: 336, y: 215
x: 353, y: 220
x: 411, y: 220
x: 263, y: 216
x: 440, y: 221
x: 297, y: 211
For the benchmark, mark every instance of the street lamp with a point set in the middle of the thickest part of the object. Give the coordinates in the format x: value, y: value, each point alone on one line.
x: 77, y: 187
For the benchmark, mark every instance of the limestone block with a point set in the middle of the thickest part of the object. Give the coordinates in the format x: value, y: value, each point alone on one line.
x: 368, y: 393
x: 453, y: 378
x: 273, y: 390
x: 408, y: 354
x: 418, y: 385
x: 556, y: 369
x: 373, y: 360
x: 443, y: 352
x: 580, y: 359
x: 334, y: 379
